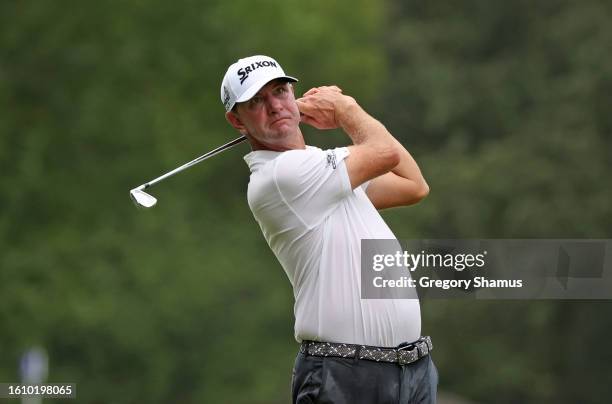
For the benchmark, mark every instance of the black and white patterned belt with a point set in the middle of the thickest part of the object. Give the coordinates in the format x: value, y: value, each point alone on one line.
x: 402, y: 355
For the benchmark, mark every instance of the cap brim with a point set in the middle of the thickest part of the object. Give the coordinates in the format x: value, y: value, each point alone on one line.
x: 248, y: 94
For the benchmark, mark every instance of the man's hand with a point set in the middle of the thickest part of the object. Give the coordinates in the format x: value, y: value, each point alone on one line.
x: 324, y: 107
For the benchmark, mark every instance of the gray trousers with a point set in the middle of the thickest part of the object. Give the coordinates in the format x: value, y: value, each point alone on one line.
x: 357, y: 381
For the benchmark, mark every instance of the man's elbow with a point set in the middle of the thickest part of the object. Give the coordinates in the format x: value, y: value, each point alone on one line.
x: 423, y: 191
x: 390, y: 158
x: 419, y: 192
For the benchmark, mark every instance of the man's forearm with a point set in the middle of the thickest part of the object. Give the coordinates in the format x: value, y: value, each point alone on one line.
x: 407, y: 166
x: 362, y: 128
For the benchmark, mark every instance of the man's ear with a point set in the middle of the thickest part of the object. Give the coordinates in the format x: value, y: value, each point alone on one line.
x: 235, y: 121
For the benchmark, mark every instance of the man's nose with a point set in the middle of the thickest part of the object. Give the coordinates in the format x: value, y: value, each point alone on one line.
x: 274, y: 104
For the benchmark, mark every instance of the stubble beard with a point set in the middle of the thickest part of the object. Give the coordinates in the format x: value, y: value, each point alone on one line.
x: 286, y: 137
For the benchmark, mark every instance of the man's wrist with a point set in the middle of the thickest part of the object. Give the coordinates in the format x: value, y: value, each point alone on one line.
x: 348, y: 116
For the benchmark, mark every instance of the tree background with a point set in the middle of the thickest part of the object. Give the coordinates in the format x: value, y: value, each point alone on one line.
x: 505, y: 105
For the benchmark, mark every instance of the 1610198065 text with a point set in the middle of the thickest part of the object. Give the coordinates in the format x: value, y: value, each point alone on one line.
x: 49, y: 390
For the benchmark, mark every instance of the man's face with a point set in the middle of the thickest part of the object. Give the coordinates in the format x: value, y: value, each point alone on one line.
x: 271, y: 117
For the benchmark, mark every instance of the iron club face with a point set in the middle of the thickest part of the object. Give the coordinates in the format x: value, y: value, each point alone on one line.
x: 142, y: 199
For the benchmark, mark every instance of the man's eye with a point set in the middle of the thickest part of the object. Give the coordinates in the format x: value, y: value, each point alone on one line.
x: 255, y: 101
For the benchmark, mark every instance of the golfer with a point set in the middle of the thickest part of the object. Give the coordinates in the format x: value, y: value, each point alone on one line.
x: 314, y: 207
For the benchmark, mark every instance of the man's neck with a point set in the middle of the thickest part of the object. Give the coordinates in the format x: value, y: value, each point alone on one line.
x: 290, y: 144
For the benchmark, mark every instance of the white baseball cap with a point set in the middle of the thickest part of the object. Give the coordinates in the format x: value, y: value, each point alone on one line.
x: 247, y: 76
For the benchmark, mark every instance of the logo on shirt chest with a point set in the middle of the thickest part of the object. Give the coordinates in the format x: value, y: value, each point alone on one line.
x: 331, y: 159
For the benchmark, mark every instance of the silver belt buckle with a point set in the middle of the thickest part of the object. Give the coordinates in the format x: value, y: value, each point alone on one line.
x: 405, y: 357
x: 401, y: 348
x: 422, y: 347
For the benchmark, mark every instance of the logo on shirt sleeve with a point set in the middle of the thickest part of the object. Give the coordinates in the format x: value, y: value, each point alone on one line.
x: 331, y: 159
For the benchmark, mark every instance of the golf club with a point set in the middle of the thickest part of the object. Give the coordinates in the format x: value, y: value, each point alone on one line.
x: 142, y: 199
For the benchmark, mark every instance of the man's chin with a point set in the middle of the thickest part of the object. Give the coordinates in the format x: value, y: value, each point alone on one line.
x: 284, y: 127
x: 282, y: 139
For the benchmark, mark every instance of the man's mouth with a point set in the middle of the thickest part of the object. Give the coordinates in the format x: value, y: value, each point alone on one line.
x: 278, y: 120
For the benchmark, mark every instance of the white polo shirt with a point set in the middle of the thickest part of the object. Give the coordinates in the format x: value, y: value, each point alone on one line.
x: 314, y: 222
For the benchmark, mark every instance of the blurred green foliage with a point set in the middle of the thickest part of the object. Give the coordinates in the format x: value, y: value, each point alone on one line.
x: 504, y: 105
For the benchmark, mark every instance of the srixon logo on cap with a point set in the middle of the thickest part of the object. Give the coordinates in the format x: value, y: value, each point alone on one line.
x: 243, y: 72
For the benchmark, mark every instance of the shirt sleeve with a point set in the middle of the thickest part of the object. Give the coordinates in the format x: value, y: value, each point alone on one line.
x: 312, y: 182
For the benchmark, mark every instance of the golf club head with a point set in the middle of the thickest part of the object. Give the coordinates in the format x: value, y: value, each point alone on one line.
x: 142, y: 199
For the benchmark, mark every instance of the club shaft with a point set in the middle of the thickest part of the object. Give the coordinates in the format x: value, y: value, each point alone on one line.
x: 195, y: 161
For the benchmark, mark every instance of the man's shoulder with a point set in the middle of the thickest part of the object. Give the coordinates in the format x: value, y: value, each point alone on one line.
x: 296, y: 155
x: 287, y: 166
x: 263, y: 157
x: 314, y: 155
x: 308, y: 151
x: 276, y: 175
x: 309, y: 163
